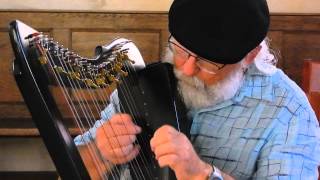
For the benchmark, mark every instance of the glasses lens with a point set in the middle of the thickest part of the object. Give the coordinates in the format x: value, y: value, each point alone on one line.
x: 179, y: 51
x: 209, y: 67
x: 203, y: 64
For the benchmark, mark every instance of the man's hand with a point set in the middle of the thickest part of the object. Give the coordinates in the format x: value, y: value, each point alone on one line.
x: 115, y: 139
x: 173, y: 149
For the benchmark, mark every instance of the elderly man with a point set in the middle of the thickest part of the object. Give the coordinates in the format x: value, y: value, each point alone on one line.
x: 249, y: 120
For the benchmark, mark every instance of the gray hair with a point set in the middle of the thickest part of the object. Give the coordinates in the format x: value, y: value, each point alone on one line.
x: 267, y: 58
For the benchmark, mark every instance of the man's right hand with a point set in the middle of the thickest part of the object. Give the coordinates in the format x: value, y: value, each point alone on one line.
x: 115, y: 139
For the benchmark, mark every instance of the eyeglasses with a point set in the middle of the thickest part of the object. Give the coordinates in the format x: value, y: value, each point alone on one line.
x: 202, y: 63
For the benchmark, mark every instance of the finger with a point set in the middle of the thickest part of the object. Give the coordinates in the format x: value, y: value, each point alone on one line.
x: 164, y: 149
x: 163, y: 135
x: 124, y: 129
x: 122, y: 151
x: 124, y: 120
x: 165, y: 129
x: 168, y: 160
x: 133, y: 153
x: 124, y: 159
x: 120, y: 141
x: 121, y: 119
x: 106, y: 130
x: 111, y: 152
x: 118, y: 130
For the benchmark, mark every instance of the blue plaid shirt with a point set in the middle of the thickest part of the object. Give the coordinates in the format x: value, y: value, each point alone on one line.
x: 268, y: 130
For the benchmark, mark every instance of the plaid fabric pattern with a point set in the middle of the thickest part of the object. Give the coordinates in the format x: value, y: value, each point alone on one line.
x: 267, y: 131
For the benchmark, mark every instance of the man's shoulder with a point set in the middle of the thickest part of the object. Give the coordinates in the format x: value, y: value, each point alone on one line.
x: 289, y: 96
x: 285, y: 87
x: 277, y: 90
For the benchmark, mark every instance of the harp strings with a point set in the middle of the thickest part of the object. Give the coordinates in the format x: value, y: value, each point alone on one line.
x: 52, y: 64
x: 68, y: 96
x: 133, y: 110
x: 63, y: 65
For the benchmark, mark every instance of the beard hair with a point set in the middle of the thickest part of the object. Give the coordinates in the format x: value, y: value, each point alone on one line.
x: 196, y: 94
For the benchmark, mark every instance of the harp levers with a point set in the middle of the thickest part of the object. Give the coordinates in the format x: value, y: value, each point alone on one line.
x: 83, y: 81
x: 105, y: 70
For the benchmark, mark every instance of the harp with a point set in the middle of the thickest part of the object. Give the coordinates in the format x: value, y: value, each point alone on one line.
x: 42, y: 67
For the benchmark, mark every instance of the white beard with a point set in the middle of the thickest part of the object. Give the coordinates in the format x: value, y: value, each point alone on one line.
x: 196, y: 94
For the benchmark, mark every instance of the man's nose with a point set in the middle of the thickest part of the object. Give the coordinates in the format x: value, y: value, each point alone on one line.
x: 189, y: 67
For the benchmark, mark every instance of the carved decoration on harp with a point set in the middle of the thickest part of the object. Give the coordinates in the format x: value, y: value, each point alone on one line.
x: 105, y: 70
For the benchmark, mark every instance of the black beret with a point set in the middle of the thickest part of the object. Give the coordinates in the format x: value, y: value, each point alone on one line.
x: 223, y: 31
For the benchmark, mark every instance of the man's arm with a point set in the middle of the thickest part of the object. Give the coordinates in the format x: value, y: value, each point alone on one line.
x: 293, y: 149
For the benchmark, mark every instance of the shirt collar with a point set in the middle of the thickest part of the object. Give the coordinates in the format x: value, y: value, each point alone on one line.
x: 257, y: 85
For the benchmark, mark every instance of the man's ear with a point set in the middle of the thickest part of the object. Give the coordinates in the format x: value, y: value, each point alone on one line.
x: 252, y: 55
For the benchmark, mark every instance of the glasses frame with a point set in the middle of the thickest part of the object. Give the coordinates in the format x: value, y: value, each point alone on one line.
x: 198, y: 58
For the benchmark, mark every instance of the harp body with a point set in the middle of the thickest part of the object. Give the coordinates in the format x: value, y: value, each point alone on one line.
x: 158, y: 103
x: 151, y: 88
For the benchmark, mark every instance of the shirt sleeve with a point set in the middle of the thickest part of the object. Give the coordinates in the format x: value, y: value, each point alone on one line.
x: 292, y: 151
x: 112, y: 108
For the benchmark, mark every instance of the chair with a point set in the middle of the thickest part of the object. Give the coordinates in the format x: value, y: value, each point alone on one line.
x: 311, y: 83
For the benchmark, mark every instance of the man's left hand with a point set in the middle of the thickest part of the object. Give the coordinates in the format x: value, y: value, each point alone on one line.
x: 173, y: 149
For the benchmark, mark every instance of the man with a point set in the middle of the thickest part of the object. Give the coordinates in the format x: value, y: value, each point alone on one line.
x: 249, y: 120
